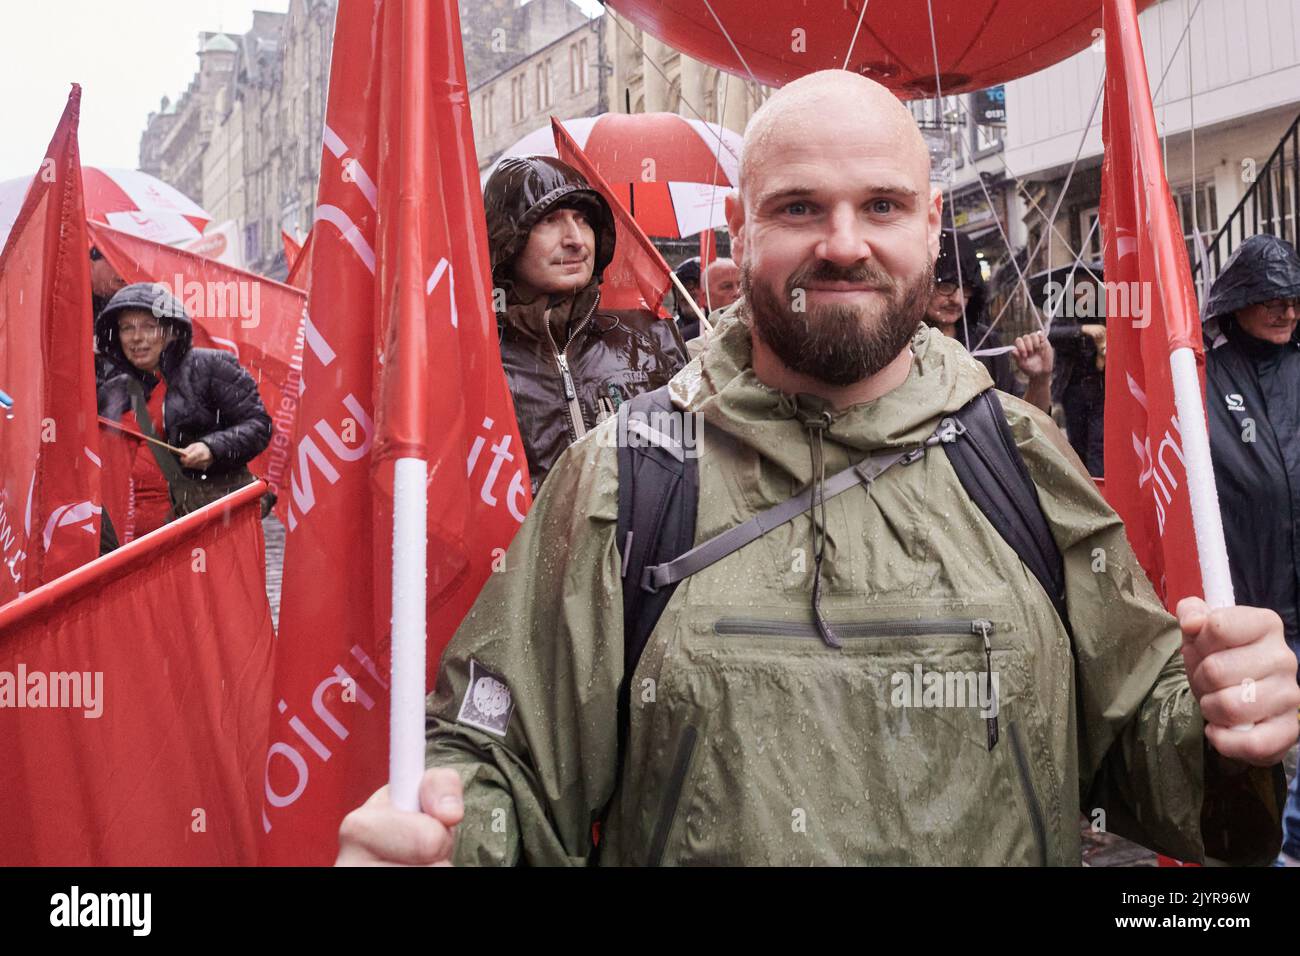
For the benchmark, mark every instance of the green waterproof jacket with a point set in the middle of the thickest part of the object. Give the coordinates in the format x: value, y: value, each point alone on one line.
x: 753, y: 742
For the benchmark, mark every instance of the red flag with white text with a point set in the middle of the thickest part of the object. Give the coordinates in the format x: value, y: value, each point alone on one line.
x: 134, y: 698
x: 637, y: 278
x: 258, y: 320
x: 1151, y: 312
x: 49, y: 443
x: 401, y: 360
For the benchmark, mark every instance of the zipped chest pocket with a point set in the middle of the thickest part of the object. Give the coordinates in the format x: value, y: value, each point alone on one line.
x: 943, y: 676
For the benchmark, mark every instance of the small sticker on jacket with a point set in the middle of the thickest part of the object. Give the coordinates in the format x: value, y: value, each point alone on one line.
x: 487, y: 704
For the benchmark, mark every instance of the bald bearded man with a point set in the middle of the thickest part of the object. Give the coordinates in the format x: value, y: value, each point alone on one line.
x: 871, y: 676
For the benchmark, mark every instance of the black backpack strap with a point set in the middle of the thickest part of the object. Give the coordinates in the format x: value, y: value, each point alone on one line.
x: 658, y: 493
x: 993, y: 473
x: 672, y: 573
x: 658, y: 496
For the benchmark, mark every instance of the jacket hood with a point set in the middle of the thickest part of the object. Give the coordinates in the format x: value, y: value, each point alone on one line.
x: 522, y: 190
x: 957, y: 253
x: 720, y: 384
x: 958, y: 262
x: 1262, y: 268
x: 156, y: 299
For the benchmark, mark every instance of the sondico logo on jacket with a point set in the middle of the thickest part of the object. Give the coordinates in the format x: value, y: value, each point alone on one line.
x: 487, y: 704
x: 1235, y: 402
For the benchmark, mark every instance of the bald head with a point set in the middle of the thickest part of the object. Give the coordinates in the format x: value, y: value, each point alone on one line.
x: 835, y: 225
x: 850, y: 103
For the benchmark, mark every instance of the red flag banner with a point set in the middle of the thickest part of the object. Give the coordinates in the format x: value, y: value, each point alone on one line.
x: 300, y: 272
x: 49, y: 443
x: 1151, y: 311
x: 401, y: 361
x: 134, y: 699
x: 637, y: 278
x: 257, y: 319
x: 292, y: 249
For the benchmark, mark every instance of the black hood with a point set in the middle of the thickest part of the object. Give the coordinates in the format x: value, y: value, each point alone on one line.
x: 156, y: 299
x: 1261, y: 269
x: 945, y: 267
x: 523, y: 189
x: 946, y: 270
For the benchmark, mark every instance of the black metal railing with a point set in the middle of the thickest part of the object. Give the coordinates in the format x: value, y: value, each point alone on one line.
x: 1271, y: 205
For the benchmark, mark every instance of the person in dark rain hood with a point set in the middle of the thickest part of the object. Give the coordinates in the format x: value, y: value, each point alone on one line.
x: 569, y: 363
x: 1252, y: 397
x: 201, y: 401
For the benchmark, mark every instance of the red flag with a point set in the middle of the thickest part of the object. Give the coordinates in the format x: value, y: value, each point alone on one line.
x: 402, y: 360
x: 292, y: 249
x: 638, y: 276
x: 135, y: 695
x: 257, y: 319
x: 49, y: 443
x: 1151, y: 312
x: 300, y: 272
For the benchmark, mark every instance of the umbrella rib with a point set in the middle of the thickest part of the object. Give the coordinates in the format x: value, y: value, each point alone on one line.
x: 861, y: 16
x: 735, y: 49
x: 952, y: 208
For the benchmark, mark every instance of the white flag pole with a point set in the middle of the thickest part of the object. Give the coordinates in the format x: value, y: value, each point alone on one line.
x: 409, y: 630
x: 1207, y: 520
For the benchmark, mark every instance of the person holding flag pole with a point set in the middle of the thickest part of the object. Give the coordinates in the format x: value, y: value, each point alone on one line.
x: 736, y: 719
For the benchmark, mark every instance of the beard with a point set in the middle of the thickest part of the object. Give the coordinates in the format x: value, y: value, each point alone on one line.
x: 837, y: 345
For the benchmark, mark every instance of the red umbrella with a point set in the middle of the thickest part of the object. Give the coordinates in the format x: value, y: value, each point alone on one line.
x: 980, y: 43
x: 125, y: 199
x: 670, y: 172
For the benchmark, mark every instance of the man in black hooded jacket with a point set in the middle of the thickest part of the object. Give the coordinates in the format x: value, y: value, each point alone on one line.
x: 1252, y: 397
x: 569, y: 363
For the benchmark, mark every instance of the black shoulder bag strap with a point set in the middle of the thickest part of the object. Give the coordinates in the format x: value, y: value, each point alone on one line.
x: 993, y: 473
x: 167, y: 462
x: 658, y: 492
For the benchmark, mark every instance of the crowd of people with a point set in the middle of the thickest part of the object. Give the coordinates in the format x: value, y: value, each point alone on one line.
x: 739, y: 716
x: 735, y: 697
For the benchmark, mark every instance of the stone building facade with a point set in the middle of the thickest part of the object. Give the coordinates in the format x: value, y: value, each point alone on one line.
x: 174, y: 143
x: 553, y: 69
x: 245, y: 139
x: 594, y: 66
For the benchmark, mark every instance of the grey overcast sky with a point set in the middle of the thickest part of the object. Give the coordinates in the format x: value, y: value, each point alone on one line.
x: 126, y: 54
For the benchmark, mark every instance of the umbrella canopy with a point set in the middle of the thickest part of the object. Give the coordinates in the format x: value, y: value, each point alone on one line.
x: 981, y: 43
x: 125, y: 199
x: 670, y: 172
